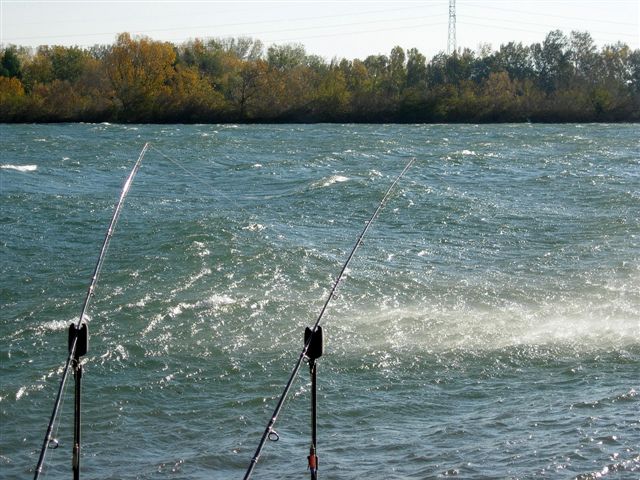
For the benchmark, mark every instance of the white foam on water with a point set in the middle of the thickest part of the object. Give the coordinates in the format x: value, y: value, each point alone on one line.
x: 117, y: 353
x: 441, y: 329
x: 327, y: 182
x: 216, y: 300
x: 202, y: 249
x: 55, y: 325
x: 20, y: 393
x: 254, y: 227
x: 20, y: 168
x: 142, y: 302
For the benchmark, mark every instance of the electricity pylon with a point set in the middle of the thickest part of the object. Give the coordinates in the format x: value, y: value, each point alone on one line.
x: 451, y: 43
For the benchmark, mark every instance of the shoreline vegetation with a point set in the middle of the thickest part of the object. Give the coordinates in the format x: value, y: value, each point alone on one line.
x: 140, y: 80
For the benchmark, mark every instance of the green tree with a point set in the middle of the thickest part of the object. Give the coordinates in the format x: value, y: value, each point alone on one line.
x: 551, y: 60
x: 515, y: 59
x: 583, y: 56
x: 38, y: 69
x: 10, y: 65
x: 332, y: 97
x: 416, y: 69
x: 634, y: 71
x: 397, y: 72
x: 67, y: 63
x: 286, y: 57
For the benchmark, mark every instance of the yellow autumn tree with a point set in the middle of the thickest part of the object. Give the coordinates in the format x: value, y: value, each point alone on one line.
x: 191, y: 97
x: 11, y: 98
x: 140, y: 71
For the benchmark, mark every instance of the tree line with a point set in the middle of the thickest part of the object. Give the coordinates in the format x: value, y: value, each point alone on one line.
x: 137, y: 79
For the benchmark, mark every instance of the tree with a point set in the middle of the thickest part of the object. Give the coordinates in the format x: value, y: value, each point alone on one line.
x: 243, y: 48
x: 286, y: 57
x: 12, y: 98
x: 333, y: 97
x: 515, y: 59
x: 67, y: 63
x: 583, y: 55
x: 244, y: 84
x: 416, y: 69
x: 191, y: 98
x: 500, y: 96
x: 140, y: 71
x: 397, y: 72
x: 10, y: 63
x: 634, y: 71
x: 552, y: 61
x: 38, y: 69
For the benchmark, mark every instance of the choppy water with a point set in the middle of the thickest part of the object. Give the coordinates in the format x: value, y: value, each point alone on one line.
x: 488, y: 328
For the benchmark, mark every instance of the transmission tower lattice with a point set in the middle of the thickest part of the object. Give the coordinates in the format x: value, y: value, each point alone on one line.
x: 451, y: 43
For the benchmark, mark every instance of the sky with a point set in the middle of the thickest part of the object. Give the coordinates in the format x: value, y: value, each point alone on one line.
x: 332, y: 29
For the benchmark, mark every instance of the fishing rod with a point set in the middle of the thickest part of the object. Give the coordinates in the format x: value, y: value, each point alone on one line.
x: 78, y: 332
x: 269, y: 432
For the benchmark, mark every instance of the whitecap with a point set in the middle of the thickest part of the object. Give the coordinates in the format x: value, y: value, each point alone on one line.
x: 203, y: 251
x: 219, y: 300
x: 178, y: 309
x: 334, y: 179
x: 468, y: 152
x: 142, y: 302
x: 254, y: 227
x: 21, y: 392
x: 20, y: 168
x: 56, y: 325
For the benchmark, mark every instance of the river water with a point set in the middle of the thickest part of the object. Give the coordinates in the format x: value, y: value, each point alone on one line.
x: 489, y: 326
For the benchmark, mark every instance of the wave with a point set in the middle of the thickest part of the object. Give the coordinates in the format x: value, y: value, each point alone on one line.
x: 20, y: 168
x: 327, y: 182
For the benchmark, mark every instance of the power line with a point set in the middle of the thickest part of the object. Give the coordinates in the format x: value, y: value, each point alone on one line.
x: 514, y: 27
x: 548, y: 15
x: 235, y: 24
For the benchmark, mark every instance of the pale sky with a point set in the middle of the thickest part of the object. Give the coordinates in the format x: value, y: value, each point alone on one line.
x: 344, y: 29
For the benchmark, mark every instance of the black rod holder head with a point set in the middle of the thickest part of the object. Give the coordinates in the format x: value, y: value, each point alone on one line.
x: 315, y: 347
x: 82, y: 344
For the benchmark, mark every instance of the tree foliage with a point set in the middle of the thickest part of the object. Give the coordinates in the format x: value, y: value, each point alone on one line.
x: 137, y: 79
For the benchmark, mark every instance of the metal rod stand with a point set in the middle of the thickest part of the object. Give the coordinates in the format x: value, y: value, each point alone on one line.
x: 79, y: 338
x: 314, y: 339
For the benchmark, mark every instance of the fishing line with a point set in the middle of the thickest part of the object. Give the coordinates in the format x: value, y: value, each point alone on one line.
x: 48, y: 438
x: 269, y: 432
x: 212, y: 190
x: 189, y: 172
